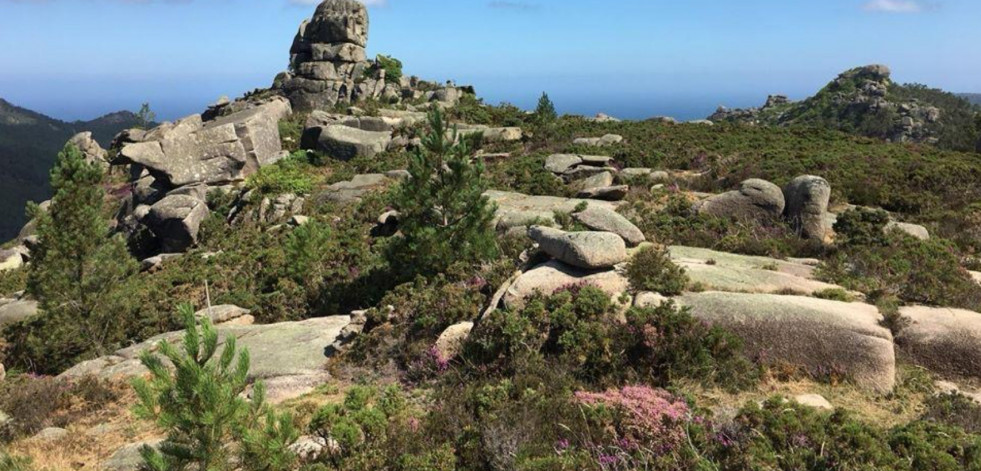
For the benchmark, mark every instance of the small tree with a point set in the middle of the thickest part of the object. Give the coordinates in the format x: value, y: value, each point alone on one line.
x: 200, y: 405
x: 145, y: 118
x: 545, y: 117
x: 75, y: 266
x: 444, y: 216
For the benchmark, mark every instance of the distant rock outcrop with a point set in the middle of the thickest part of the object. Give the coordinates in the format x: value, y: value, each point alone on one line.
x: 866, y: 101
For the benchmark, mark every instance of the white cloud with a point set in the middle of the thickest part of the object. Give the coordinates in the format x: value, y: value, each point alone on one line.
x: 894, y: 6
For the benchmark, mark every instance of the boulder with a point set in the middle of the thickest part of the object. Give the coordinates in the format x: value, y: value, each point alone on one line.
x: 91, y: 150
x: 600, y: 180
x: 16, y: 311
x: 562, y: 163
x: 589, y: 250
x: 818, y: 336
x: 816, y: 401
x: 604, y: 219
x: 605, y: 193
x: 807, y: 199
x: 352, y: 190
x: 175, y: 220
x: 554, y: 275
x: 10, y: 260
x: 222, y: 313
x: 723, y: 271
x: 51, y: 434
x: 913, y: 230
x: 289, y: 357
x: 648, y: 299
x: 345, y: 143
x: 227, y: 149
x: 754, y: 200
x: 450, y: 342
x: 945, y: 340
x: 309, y: 448
x: 607, y: 140
x: 128, y: 458
x: 505, y: 134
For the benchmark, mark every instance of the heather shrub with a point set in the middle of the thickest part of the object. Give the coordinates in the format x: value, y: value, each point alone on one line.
x: 33, y: 403
x: 576, y: 328
x: 651, y: 269
x: 954, y: 409
x: 290, y: 175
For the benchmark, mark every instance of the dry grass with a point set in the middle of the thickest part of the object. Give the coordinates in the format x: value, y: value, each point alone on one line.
x: 91, y: 439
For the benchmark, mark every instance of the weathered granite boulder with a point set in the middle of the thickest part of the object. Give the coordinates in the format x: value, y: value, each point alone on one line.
x: 554, y: 275
x: 605, y: 193
x: 818, y: 336
x: 17, y: 311
x: 227, y: 149
x: 807, y: 199
x: 561, y: 163
x: 175, y: 220
x: 600, y: 180
x: 450, y: 342
x: 352, y: 190
x: 345, y: 143
x: 589, y: 250
x: 945, y: 340
x: 606, y: 140
x: 603, y: 219
x: 10, y: 260
x: 224, y: 313
x: 128, y: 458
x: 91, y: 150
x: 754, y: 200
x: 913, y: 230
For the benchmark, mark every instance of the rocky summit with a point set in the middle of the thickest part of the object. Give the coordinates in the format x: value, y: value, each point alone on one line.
x: 356, y: 269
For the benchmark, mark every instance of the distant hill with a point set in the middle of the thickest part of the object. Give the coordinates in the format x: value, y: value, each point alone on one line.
x: 865, y: 101
x: 29, y: 143
x: 974, y: 98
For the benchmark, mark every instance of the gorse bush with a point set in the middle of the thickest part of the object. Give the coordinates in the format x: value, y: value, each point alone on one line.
x: 861, y: 227
x: 200, y: 405
x: 444, y: 217
x: 651, y: 269
x: 391, y: 66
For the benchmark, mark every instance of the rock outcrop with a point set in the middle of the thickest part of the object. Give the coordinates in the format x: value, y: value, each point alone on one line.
x: 223, y: 150
x: 807, y: 199
x: 554, y: 275
x: 589, y: 250
x: 603, y: 219
x: 944, y: 340
x: 175, y: 220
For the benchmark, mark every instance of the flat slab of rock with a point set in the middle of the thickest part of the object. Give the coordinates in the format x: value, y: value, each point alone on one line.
x: 223, y: 313
x: 589, y: 250
x: 723, y: 271
x: 354, y: 189
x: 285, y: 355
x: 606, y: 140
x: 549, y: 277
x: 10, y: 260
x: 345, y: 143
x: 516, y: 209
x: 819, y: 336
x: 561, y: 163
x: 945, y: 340
x: 606, y: 193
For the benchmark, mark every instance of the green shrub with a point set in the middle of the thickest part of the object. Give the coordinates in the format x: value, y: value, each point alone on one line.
x: 290, y: 175
x: 34, y: 403
x: 858, y: 227
x: 444, y: 216
x: 391, y: 66
x: 834, y: 294
x: 14, y: 463
x: 651, y: 269
x: 954, y: 409
x: 576, y: 328
x: 200, y: 405
x: 912, y: 270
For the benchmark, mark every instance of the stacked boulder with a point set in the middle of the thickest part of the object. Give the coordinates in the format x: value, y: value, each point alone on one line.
x: 592, y: 175
x: 328, y: 56
x: 174, y: 166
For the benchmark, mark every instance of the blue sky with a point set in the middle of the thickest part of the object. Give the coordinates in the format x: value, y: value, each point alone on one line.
x: 634, y: 58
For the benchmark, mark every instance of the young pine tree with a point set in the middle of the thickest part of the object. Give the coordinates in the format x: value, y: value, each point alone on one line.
x: 545, y: 117
x: 75, y: 266
x: 200, y: 404
x: 444, y: 216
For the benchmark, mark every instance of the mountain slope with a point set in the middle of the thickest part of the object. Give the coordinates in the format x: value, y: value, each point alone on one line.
x: 974, y: 98
x: 865, y: 101
x: 29, y: 143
